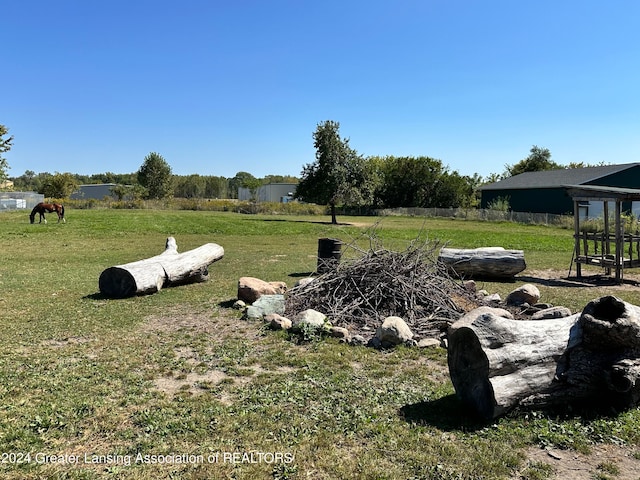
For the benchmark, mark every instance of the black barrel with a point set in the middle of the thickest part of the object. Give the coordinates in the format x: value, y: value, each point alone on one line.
x: 329, y: 253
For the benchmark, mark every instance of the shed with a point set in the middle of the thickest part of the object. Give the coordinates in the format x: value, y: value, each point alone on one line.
x: 618, y: 251
x: 272, y: 192
x: 545, y: 192
x: 97, y: 191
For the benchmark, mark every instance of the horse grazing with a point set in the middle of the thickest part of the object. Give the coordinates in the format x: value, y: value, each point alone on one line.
x: 43, y: 208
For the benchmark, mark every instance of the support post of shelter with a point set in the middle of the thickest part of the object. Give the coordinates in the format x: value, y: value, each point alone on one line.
x: 603, y: 255
x: 576, y: 237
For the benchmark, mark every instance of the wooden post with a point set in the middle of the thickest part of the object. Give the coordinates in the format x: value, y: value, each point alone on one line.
x: 576, y: 237
x: 619, y: 246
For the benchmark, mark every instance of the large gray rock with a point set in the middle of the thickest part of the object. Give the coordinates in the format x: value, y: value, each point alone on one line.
x: 527, y: 293
x: 552, y: 312
x: 394, y: 331
x: 266, y: 305
x: 310, y: 318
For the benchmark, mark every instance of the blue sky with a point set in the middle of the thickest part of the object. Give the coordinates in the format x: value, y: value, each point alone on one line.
x: 218, y: 87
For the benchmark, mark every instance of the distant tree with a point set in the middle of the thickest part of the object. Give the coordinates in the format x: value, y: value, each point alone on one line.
x: 539, y: 159
x: 155, y: 175
x: 216, y: 187
x: 5, y: 146
x: 190, y: 186
x: 237, y: 182
x: 60, y: 185
x: 279, y: 179
x: 339, y: 176
x: 253, y: 185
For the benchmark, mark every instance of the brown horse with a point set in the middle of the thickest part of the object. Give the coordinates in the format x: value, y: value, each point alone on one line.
x: 43, y: 208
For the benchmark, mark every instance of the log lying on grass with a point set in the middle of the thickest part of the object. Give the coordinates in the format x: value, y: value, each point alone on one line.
x: 167, y: 269
x: 497, y: 363
x: 489, y: 262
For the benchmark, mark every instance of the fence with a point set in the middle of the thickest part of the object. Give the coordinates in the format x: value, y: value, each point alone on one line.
x: 483, y: 214
x: 19, y: 200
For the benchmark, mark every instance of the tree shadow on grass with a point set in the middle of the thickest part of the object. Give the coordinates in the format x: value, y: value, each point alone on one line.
x: 446, y: 413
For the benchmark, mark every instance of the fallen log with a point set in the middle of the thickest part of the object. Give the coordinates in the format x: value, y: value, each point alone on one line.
x: 170, y: 268
x: 487, y: 262
x: 497, y: 363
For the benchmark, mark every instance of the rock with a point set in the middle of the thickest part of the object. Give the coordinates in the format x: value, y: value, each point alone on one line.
x: 250, y: 288
x: 341, y: 333
x: 278, y: 322
x: 394, y: 331
x: 470, y: 286
x: 527, y: 293
x: 311, y: 318
x: 429, y: 343
x: 492, y: 299
x: 553, y: 312
x: 265, y: 305
x: 303, y: 282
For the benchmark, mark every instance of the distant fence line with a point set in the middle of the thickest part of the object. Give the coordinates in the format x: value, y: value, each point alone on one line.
x: 482, y: 214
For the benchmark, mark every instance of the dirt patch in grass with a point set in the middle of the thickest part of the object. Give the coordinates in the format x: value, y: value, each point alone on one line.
x: 204, y: 377
x: 603, y: 462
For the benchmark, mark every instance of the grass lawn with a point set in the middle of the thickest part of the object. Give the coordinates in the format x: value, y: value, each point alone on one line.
x: 176, y: 385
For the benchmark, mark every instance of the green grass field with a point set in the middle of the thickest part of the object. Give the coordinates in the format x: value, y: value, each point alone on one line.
x: 177, y: 385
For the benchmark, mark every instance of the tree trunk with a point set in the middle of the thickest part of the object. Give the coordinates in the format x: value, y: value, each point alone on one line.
x: 167, y: 269
x: 486, y: 262
x: 334, y: 219
x: 497, y: 363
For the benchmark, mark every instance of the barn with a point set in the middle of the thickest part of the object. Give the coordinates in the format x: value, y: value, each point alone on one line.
x: 546, y: 192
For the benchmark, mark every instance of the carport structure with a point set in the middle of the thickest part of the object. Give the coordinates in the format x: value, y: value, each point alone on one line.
x: 618, y: 250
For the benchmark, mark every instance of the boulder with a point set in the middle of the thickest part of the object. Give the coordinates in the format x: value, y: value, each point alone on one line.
x: 527, y: 293
x: 311, y: 318
x: 250, y: 288
x: 394, y: 331
x: 265, y: 305
x: 552, y: 312
x: 278, y: 322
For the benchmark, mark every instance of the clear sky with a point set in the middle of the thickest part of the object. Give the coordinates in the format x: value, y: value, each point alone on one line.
x: 217, y: 87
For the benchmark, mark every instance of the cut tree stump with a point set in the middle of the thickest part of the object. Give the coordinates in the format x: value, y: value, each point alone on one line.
x: 497, y: 363
x: 488, y: 262
x: 170, y: 268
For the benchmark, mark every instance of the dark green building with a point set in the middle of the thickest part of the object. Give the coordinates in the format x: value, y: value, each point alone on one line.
x: 545, y: 191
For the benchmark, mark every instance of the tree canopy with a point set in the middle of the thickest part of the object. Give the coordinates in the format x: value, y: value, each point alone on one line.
x: 5, y: 146
x: 339, y: 176
x: 155, y: 175
x: 539, y: 159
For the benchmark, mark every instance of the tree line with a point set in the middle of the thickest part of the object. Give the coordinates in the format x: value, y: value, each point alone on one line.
x: 339, y: 177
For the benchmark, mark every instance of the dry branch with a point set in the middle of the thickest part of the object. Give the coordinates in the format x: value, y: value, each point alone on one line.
x: 378, y: 283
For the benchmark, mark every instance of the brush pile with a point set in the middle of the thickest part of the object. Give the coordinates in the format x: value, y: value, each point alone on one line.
x: 374, y: 284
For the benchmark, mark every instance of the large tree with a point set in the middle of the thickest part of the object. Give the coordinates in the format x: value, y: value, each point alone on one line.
x: 60, y: 185
x: 339, y: 176
x: 5, y: 146
x: 155, y: 175
x: 539, y: 159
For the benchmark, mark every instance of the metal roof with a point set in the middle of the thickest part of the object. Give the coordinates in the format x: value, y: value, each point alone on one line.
x: 602, y: 193
x: 557, y: 178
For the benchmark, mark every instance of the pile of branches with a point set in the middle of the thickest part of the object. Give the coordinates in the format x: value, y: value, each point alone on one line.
x: 412, y: 284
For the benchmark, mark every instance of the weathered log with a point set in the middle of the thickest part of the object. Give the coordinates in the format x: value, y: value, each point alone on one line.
x: 497, y: 363
x: 489, y: 262
x: 170, y: 268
